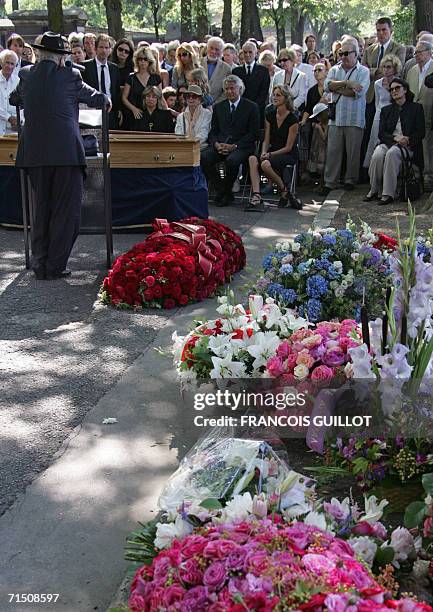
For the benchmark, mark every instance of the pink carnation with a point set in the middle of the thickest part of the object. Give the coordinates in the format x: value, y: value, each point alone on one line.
x: 322, y: 373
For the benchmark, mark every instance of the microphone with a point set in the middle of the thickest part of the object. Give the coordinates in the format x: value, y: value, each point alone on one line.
x: 70, y: 64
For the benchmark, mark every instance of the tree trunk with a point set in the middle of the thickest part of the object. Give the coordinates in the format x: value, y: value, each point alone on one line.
x: 227, y: 33
x: 202, y: 19
x: 185, y: 20
x: 155, y: 23
x: 113, y: 10
x: 245, y: 20
x: 55, y: 16
x: 15, y: 5
x: 256, y: 28
x: 297, y: 25
x: 280, y: 25
x: 424, y: 15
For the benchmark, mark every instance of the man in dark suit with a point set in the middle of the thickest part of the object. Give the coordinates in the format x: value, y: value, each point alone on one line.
x: 255, y: 78
x: 232, y: 138
x: 104, y: 76
x: 52, y: 151
x: 15, y: 43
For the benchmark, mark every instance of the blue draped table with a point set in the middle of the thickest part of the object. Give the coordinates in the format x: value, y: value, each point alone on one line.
x: 139, y: 195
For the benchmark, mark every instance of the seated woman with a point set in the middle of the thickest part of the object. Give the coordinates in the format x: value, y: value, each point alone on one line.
x: 195, y: 120
x: 402, y: 124
x: 155, y: 118
x: 279, y: 148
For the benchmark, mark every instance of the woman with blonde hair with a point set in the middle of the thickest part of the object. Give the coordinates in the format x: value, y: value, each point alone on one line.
x: 144, y: 75
x: 186, y: 60
x: 267, y: 58
x: 165, y: 78
x: 279, y: 148
x: 291, y: 76
x: 199, y: 77
x: 390, y: 66
x: 154, y: 116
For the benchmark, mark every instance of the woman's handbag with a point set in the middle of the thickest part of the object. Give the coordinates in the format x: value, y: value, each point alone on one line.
x: 411, y: 186
x: 91, y: 147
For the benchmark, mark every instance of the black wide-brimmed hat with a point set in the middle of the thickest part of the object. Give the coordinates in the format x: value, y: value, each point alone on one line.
x: 52, y: 42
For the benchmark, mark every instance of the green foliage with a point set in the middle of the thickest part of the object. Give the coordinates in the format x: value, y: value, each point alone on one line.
x: 140, y: 544
x: 384, y: 556
x: 414, y: 514
x: 403, y: 21
x: 211, y: 503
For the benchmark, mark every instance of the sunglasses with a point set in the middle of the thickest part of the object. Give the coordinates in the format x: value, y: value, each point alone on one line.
x: 285, y: 59
x: 345, y: 53
x: 143, y: 59
x: 318, y: 70
x: 419, y: 51
x: 123, y: 50
x: 184, y: 54
x: 396, y: 88
x: 192, y: 96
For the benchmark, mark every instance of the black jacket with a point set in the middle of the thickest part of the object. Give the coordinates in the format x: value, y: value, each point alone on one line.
x: 256, y: 85
x: 411, y: 116
x: 159, y: 121
x: 242, y: 129
x: 50, y: 96
x: 90, y: 76
x: 428, y: 82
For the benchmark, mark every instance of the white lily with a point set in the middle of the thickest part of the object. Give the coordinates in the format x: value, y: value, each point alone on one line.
x: 255, y: 303
x: 373, y: 510
x: 317, y: 519
x: 167, y: 532
x: 266, y: 344
x: 220, y: 345
x: 226, y: 368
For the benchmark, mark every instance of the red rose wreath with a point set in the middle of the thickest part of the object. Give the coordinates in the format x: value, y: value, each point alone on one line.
x: 180, y: 262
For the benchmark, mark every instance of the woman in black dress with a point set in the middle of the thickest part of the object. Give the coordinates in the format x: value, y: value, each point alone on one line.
x: 122, y: 54
x: 144, y: 75
x: 154, y: 118
x: 279, y: 147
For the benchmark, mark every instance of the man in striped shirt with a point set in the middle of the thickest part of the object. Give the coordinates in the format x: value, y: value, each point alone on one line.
x: 348, y: 82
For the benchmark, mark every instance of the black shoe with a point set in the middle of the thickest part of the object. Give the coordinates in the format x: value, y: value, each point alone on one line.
x: 59, y: 275
x: 324, y: 191
x: 349, y: 186
x: 228, y: 199
x: 283, y: 202
x: 295, y: 202
x: 386, y: 200
x: 39, y: 273
x: 219, y: 197
x: 370, y: 198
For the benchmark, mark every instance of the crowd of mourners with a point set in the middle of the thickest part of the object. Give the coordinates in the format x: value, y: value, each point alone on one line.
x: 347, y: 116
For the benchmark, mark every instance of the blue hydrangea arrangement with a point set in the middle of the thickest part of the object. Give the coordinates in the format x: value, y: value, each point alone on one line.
x: 324, y: 274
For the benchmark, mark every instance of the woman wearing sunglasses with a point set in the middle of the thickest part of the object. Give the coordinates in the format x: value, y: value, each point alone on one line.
x: 291, y: 76
x: 402, y: 125
x: 390, y: 66
x: 144, y: 75
x: 186, y: 60
x: 195, y: 120
x: 122, y: 54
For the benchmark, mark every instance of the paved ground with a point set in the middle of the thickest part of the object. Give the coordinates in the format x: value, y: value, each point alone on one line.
x: 66, y: 363
x: 383, y: 218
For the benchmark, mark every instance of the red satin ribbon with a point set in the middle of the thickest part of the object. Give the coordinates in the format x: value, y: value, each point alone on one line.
x: 196, y: 237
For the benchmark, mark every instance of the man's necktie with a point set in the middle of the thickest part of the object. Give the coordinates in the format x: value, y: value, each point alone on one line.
x: 249, y: 70
x: 232, y: 111
x: 103, y: 88
x: 381, y: 52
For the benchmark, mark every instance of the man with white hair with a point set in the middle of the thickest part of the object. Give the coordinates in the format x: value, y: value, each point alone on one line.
x: 422, y: 36
x: 348, y: 82
x: 216, y: 69
x: 8, y: 82
x: 232, y: 138
x: 424, y: 95
x: 255, y: 77
x: 307, y: 69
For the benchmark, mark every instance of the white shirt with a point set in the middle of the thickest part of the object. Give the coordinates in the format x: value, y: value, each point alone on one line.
x: 106, y: 75
x: 200, y: 128
x: 235, y: 103
x: 308, y: 70
x: 422, y: 73
x: 7, y: 86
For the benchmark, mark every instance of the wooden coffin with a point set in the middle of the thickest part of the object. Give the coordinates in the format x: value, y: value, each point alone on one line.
x: 144, y: 150
x: 131, y: 150
x: 8, y: 149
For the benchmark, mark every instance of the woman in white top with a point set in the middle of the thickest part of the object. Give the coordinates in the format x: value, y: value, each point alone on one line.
x: 8, y: 82
x: 195, y: 121
x: 390, y: 67
x: 291, y: 76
